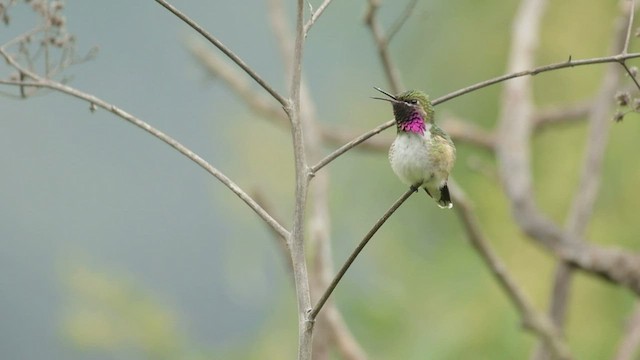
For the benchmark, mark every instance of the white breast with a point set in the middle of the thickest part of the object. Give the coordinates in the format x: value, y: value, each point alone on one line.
x: 409, y: 158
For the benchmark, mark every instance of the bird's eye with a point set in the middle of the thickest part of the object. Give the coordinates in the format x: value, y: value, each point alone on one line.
x: 413, y: 101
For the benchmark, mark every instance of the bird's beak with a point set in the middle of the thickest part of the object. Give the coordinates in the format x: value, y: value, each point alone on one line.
x: 392, y: 99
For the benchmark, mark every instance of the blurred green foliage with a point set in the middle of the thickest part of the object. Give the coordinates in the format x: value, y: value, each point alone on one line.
x: 111, y: 314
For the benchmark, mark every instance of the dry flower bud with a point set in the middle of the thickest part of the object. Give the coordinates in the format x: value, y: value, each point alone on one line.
x: 623, y: 98
x: 618, y: 116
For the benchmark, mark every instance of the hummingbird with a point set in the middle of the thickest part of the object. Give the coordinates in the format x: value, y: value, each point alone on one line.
x: 422, y: 154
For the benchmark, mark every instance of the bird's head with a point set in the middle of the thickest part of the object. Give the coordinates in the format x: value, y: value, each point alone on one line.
x: 408, y: 105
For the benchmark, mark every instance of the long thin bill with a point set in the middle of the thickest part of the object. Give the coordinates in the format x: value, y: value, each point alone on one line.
x: 386, y: 93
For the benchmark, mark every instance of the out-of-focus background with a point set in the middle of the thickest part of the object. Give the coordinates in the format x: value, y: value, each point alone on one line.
x: 114, y: 246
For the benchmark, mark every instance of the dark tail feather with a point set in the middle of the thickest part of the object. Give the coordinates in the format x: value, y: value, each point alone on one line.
x: 445, y: 198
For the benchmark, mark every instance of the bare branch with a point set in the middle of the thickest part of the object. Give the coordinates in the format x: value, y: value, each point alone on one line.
x: 356, y: 252
x: 95, y: 101
x: 346, y: 345
x: 542, y: 118
x: 631, y: 75
x: 337, y: 136
x: 631, y: 11
x: 330, y: 327
x: 535, y: 71
x: 587, y: 190
x: 315, y: 15
x: 628, y: 347
x: 467, y: 132
x: 217, y: 43
x: 283, y: 245
x: 532, y: 320
x: 296, y: 241
x: 348, y: 146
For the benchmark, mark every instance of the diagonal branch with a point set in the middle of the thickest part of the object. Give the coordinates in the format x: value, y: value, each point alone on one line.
x: 315, y: 15
x: 535, y: 71
x: 95, y: 101
x: 239, y: 85
x: 351, y: 144
x: 358, y: 249
x: 217, y: 43
x: 532, y: 320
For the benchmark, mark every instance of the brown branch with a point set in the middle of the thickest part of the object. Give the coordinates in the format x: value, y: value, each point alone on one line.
x: 629, y: 346
x: 532, y: 319
x: 586, y: 193
x: 346, y: 345
x: 467, y: 132
x: 545, y: 117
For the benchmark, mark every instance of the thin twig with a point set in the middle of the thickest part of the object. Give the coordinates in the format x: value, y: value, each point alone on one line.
x: 315, y: 15
x: 535, y: 71
x: 348, y: 146
x: 631, y: 75
x: 358, y: 249
x: 217, y: 43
